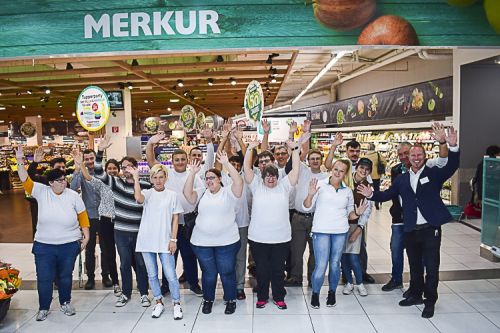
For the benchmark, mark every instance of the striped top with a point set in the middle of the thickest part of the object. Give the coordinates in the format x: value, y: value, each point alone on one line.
x: 128, y: 212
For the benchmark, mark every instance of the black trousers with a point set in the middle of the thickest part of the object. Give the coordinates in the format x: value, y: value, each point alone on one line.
x: 90, y: 252
x: 270, y: 265
x: 363, y: 255
x: 424, y: 246
x: 288, y: 262
x: 108, y: 247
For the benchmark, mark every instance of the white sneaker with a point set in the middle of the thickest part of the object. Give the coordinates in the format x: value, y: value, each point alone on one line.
x: 157, y: 310
x: 42, y: 315
x: 121, y: 301
x: 348, y: 288
x: 68, y: 309
x: 362, y: 290
x: 145, y: 302
x: 117, y: 290
x: 177, y: 311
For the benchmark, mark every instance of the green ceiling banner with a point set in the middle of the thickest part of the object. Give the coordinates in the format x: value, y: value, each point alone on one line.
x: 32, y: 28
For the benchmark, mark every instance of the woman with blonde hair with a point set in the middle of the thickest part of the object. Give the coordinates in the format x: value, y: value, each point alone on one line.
x: 334, y: 202
x: 157, y: 235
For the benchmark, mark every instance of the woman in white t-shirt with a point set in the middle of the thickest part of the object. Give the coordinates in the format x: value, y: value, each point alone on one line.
x: 270, y: 233
x: 334, y: 203
x: 216, y: 239
x: 157, y: 235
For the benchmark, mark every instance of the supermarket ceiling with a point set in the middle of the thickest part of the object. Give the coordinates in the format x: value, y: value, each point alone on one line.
x: 212, y: 82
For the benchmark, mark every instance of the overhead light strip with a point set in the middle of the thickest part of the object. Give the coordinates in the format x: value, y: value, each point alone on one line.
x: 325, y: 69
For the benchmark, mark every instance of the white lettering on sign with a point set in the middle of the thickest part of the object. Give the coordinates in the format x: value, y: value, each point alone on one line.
x: 140, y: 23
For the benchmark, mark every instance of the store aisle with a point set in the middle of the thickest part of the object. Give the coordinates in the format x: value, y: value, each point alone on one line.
x: 15, y: 218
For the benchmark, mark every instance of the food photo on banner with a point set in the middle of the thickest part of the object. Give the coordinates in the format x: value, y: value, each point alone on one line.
x: 92, y: 108
x: 424, y: 101
x: 188, y: 118
x: 254, y: 102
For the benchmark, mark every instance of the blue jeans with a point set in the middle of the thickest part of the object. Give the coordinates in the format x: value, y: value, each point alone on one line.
x: 397, y: 252
x: 125, y: 244
x: 218, y: 260
x: 352, y: 262
x: 328, y: 248
x: 54, y: 262
x: 168, y: 267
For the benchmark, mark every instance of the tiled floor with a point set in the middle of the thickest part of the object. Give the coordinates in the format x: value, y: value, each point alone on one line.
x: 463, y: 306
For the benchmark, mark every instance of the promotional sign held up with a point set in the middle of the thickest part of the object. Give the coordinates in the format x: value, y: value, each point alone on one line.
x: 92, y: 108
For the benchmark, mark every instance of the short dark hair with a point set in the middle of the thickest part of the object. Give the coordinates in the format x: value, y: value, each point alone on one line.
x: 352, y: 144
x: 89, y: 151
x: 112, y: 161
x: 56, y: 160
x: 129, y: 159
x: 265, y: 153
x: 236, y: 159
x: 270, y: 170
x: 492, y: 151
x: 195, y: 148
x: 366, y: 162
x: 55, y: 174
x: 179, y: 152
x: 214, y: 171
x: 315, y: 151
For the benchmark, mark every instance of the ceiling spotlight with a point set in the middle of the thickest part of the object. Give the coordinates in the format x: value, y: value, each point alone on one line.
x: 59, y: 102
x: 18, y: 94
x: 274, y: 72
x: 42, y: 99
x: 146, y: 101
x: 23, y: 106
x: 29, y: 92
x: 60, y: 106
x: 220, y: 58
x: 0, y: 94
x: 73, y: 114
x: 61, y: 115
x: 233, y: 81
x: 69, y: 66
x: 47, y: 91
x: 270, y: 58
x: 185, y: 93
x: 39, y: 116
x: 191, y: 97
x: 273, y: 80
x: 180, y: 83
x: 121, y: 85
x: 135, y: 62
x: 169, y: 109
x: 210, y: 82
x: 130, y: 86
x: 174, y: 100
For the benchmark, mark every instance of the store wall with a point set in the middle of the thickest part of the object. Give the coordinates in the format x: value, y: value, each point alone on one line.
x: 405, y: 72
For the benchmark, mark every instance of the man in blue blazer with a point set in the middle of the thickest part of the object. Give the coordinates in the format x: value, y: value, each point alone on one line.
x: 423, y: 214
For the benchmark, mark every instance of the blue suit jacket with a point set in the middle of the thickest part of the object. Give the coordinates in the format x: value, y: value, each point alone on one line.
x: 427, y: 197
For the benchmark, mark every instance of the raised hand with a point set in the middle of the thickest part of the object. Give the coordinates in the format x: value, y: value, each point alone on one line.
x: 133, y: 171
x: 105, y: 143
x: 38, y: 155
x: 438, y: 132
x: 304, y: 137
x: 360, y: 209
x: 238, y: 134
x: 365, y: 190
x: 253, y: 144
x: 224, y: 133
x: 266, y: 126
x: 207, y: 133
x: 194, y: 166
x: 77, y: 158
x: 452, y: 137
x: 339, y: 138
x: 313, y: 187
x: 19, y: 153
x: 293, y: 127
x: 157, y: 138
x: 292, y: 144
x: 222, y: 157
x: 306, y: 127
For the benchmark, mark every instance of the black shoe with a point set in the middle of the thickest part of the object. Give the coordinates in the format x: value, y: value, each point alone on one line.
x: 90, y: 284
x: 367, y: 278
x: 182, y: 278
x: 377, y: 206
x: 315, y: 301
x: 428, y: 311
x: 411, y: 301
x: 197, y: 290
x: 165, y: 290
x: 240, y: 295
x: 407, y: 293
x: 291, y: 282
x: 106, y: 282
x: 207, y: 307
x: 230, y: 307
x: 330, y: 300
x: 391, y: 285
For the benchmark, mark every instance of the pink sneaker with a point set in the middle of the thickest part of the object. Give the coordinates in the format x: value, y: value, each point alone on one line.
x: 260, y: 304
x: 281, y: 305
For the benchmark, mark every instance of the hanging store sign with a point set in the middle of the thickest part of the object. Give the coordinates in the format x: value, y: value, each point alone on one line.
x: 188, y: 118
x: 92, y: 108
x: 254, y: 101
x: 432, y: 100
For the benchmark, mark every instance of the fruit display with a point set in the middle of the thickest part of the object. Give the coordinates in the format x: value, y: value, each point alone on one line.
x: 344, y: 14
x: 9, y: 281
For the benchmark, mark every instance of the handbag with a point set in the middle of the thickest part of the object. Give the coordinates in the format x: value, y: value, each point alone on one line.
x: 380, y: 165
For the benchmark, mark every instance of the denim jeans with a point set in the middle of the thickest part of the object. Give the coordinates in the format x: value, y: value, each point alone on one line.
x: 125, y: 244
x: 168, y: 267
x: 54, y: 262
x: 218, y: 260
x: 352, y: 262
x: 397, y: 252
x: 328, y: 248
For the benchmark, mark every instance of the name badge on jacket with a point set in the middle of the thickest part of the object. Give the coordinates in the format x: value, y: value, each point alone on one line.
x: 424, y: 180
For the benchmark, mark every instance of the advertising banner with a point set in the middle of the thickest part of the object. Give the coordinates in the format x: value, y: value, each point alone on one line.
x: 188, y: 118
x: 92, y: 108
x: 254, y: 101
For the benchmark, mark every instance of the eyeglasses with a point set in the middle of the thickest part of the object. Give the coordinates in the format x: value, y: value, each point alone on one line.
x: 210, y: 178
x: 265, y: 161
x: 60, y: 180
x: 270, y: 176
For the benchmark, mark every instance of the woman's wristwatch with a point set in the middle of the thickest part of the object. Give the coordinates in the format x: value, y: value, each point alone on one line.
x: 173, y: 240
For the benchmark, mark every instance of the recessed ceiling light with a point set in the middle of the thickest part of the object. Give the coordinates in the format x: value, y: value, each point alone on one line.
x: 39, y: 116
x: 29, y: 92
x: 169, y: 109
x: 174, y: 100
x: 73, y: 114
x: 210, y: 82
x: 180, y: 83
x: 47, y: 91
x: 23, y: 106
x: 233, y: 81
x: 2, y: 108
x: 146, y: 101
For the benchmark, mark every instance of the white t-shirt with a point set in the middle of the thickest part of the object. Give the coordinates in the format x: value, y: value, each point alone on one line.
x: 302, y: 188
x: 242, y: 206
x: 175, y: 182
x: 57, y: 215
x: 156, y: 222
x: 270, y: 222
x: 332, y: 208
x: 215, y: 223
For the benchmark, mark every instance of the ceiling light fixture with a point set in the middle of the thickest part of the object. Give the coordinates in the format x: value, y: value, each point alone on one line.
x: 270, y: 58
x: 272, y: 78
x: 39, y: 116
x: 2, y: 108
x: 169, y: 109
x: 59, y: 102
x: 233, y: 81
x: 135, y: 62
x: 29, y: 91
x: 23, y: 106
x: 279, y: 108
x: 47, y: 91
x: 69, y: 66
x: 121, y: 85
x: 210, y: 82
x: 180, y: 83
x: 146, y: 101
x: 274, y: 72
x: 174, y: 100
x: 220, y: 58
x: 186, y: 93
x: 73, y: 114
x: 130, y: 86
x: 325, y: 69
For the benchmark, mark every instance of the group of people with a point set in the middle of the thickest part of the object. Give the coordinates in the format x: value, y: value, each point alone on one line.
x: 275, y: 202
